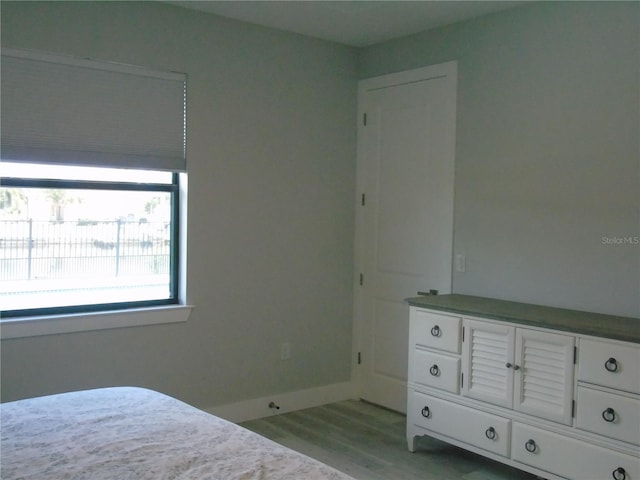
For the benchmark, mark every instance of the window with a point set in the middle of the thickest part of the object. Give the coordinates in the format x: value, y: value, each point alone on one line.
x: 80, y: 239
x: 92, y: 164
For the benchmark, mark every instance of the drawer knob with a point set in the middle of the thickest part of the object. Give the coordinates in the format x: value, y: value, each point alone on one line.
x: 609, y: 415
x: 435, y: 331
x: 490, y: 433
x: 611, y: 365
x: 619, y: 474
x: 434, y: 370
x: 426, y: 413
x: 530, y: 446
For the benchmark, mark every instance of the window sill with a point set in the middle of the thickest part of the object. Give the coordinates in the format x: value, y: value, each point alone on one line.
x: 83, y: 322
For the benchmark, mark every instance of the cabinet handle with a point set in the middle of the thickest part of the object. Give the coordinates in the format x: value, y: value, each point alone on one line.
x: 611, y: 365
x: 609, y: 415
x: 530, y: 446
x: 434, y: 370
x: 508, y: 365
x: 490, y: 433
x: 619, y: 474
x: 435, y: 331
x: 426, y: 413
x: 516, y: 367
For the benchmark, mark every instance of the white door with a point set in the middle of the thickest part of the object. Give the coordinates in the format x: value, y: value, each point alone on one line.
x: 544, y: 380
x: 488, y: 362
x: 404, y: 232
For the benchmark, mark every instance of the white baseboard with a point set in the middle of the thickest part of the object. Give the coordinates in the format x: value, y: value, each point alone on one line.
x: 288, y: 402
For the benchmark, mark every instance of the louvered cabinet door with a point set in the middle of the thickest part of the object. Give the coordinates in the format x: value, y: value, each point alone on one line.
x: 543, y: 375
x: 488, y: 352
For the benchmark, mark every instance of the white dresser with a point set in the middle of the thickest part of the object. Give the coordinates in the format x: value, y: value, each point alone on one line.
x: 551, y: 391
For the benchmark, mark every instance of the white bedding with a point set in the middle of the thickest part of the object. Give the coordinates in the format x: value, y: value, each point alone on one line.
x: 134, y: 433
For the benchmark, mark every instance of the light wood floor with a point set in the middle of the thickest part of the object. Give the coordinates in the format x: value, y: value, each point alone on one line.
x: 368, y: 443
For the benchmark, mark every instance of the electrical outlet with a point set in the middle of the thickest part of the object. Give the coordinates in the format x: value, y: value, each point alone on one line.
x: 285, y: 351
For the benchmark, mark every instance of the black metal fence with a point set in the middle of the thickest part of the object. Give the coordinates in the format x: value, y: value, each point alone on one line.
x: 31, y: 249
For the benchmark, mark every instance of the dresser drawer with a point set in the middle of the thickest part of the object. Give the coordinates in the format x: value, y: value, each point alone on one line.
x: 434, y: 330
x: 608, y: 414
x: 434, y: 370
x: 609, y: 364
x: 568, y: 457
x: 480, y: 429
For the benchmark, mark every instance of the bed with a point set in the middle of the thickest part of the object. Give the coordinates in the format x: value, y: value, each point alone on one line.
x: 135, y: 433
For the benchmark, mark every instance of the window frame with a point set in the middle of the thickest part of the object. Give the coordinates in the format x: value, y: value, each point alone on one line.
x: 175, y: 260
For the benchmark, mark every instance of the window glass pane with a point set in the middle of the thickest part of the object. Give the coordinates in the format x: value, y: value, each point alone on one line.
x: 69, y: 247
x: 25, y: 170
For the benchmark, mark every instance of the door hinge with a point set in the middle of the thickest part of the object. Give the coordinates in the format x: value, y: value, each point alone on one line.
x: 463, y: 328
x: 362, y: 200
x: 573, y: 408
x: 359, y: 358
x: 364, y: 119
x: 575, y: 355
x: 361, y: 279
x: 462, y: 380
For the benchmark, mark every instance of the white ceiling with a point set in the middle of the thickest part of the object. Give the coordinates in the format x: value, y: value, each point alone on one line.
x: 355, y: 23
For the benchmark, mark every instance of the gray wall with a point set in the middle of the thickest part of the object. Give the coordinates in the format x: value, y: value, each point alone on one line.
x: 271, y: 149
x: 547, y: 155
x: 547, y: 164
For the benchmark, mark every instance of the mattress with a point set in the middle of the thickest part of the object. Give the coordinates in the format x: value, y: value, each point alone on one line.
x: 136, y: 433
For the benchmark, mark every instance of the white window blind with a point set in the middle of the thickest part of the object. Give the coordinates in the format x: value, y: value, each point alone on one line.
x: 66, y: 110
